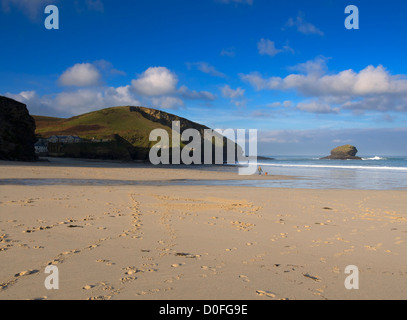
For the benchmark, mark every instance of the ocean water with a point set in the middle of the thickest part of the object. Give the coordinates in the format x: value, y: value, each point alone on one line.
x: 371, y: 173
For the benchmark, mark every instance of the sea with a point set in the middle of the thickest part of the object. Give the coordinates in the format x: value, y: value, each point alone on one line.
x: 370, y: 173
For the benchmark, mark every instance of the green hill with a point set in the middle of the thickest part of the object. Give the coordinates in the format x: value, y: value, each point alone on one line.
x: 126, y: 128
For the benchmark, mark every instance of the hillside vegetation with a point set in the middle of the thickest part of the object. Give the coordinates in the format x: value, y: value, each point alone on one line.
x: 128, y: 128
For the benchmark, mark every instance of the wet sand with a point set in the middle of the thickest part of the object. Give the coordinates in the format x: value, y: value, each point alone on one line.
x: 194, y: 242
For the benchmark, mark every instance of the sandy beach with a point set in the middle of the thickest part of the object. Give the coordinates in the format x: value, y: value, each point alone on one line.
x: 194, y: 242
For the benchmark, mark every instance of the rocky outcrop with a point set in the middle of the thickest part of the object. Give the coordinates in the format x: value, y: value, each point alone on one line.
x: 17, y: 131
x: 346, y: 152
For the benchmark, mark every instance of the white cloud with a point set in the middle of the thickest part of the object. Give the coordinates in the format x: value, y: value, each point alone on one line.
x: 267, y: 47
x: 23, y: 96
x: 80, y: 75
x: 85, y: 100
x: 372, y: 88
x: 81, y: 101
x: 303, y: 26
x: 167, y: 103
x: 318, y: 66
x: 36, y: 104
x: 371, y: 80
x: 236, y: 96
x: 156, y: 86
x: 155, y: 81
x: 260, y: 83
x: 76, y: 102
x: 230, y: 93
x: 121, y: 96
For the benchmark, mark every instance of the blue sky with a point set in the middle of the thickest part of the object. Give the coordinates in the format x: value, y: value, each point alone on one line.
x: 287, y: 68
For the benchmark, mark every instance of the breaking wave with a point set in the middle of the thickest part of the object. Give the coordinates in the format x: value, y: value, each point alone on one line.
x: 333, y: 166
x: 375, y: 158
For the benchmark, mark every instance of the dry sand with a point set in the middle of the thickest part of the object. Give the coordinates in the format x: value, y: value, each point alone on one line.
x: 195, y: 242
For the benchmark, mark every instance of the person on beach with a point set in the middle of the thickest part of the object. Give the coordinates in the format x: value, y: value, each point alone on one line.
x: 260, y: 171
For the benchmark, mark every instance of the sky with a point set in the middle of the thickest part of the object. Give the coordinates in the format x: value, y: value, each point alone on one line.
x: 288, y: 68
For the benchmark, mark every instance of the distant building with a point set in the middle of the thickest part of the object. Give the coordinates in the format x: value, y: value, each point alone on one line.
x: 64, y: 139
x: 41, y: 148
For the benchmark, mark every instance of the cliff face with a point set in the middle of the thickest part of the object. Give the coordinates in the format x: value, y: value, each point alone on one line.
x: 17, y: 131
x: 346, y: 152
x: 166, y: 119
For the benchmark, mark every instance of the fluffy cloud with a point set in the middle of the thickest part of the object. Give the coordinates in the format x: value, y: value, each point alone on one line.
x: 236, y: 96
x: 372, y: 88
x: 76, y: 102
x: 155, y: 81
x: 80, y: 75
x: 303, y: 26
x: 267, y: 47
x: 156, y: 87
x: 369, y: 81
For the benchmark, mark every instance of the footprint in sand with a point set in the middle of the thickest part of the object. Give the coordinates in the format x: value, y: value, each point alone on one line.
x: 88, y: 287
x: 307, y: 275
x: 127, y: 279
x: 106, y: 262
x: 26, y: 273
x: 177, y: 265
x: 262, y: 293
x: 131, y: 270
x: 244, y: 278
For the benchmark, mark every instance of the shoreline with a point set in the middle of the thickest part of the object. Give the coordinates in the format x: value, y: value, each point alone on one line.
x: 77, y: 172
x: 128, y: 171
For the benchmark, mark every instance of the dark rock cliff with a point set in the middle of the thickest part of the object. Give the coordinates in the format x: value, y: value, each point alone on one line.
x: 17, y: 131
